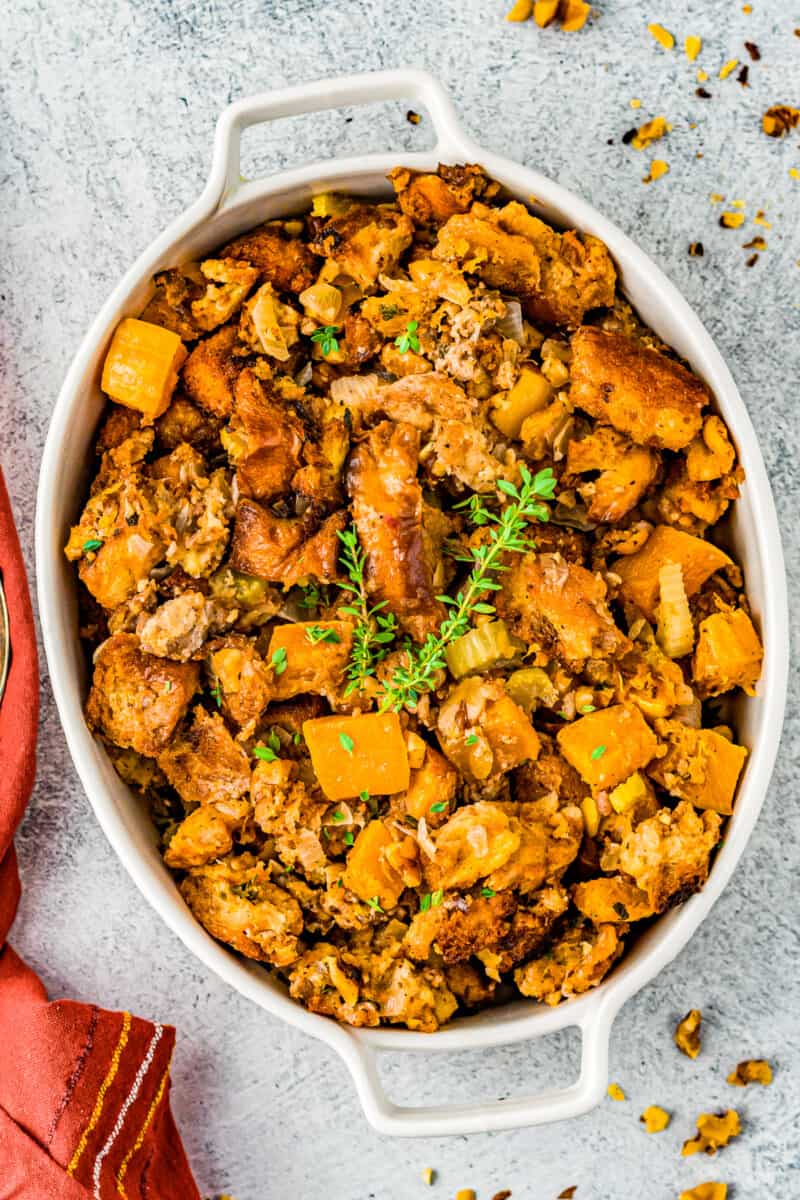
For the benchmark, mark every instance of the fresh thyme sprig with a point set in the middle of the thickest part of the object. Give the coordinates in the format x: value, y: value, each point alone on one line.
x: 326, y: 339
x: 506, y: 534
x: 374, y: 630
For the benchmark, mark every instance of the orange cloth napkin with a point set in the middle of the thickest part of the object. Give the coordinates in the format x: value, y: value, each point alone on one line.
x: 84, y: 1093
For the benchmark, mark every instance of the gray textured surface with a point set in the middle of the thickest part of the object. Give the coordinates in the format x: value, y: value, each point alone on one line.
x: 104, y: 136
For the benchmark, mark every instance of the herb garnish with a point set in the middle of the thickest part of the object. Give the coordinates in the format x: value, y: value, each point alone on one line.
x: 346, y: 742
x: 587, y: 708
x: 471, y: 740
x: 507, y: 534
x: 431, y: 900
x: 265, y: 753
x: 315, y: 633
x: 338, y: 816
x: 216, y: 692
x: 598, y: 752
x: 348, y: 838
x: 408, y: 340
x: 488, y: 892
x: 438, y: 807
x: 92, y: 544
x: 373, y: 630
x: 374, y: 903
x: 326, y: 339
x: 278, y: 660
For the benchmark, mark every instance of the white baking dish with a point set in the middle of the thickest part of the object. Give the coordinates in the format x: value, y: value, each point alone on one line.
x: 226, y: 208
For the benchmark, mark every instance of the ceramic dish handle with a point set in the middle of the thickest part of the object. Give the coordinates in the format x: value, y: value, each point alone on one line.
x: 369, y: 88
x: 540, y: 1108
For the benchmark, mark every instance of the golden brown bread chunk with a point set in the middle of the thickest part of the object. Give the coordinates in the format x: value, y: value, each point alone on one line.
x: 264, y: 440
x: 285, y: 262
x: 237, y: 903
x: 623, y: 473
x: 286, y: 550
x: 577, y: 961
x: 558, y: 276
x: 668, y: 855
x: 185, y: 422
x: 366, y: 241
x: 560, y: 608
x: 203, y: 762
x: 240, y: 678
x: 292, y: 814
x: 651, y: 398
x: 430, y: 199
x: 117, y: 426
x: 211, y: 370
x: 206, y: 834
x: 387, y: 509
x: 549, y: 840
x: 136, y: 699
x: 326, y: 985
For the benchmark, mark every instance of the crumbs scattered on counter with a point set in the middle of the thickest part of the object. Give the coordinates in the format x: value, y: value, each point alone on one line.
x: 615, y: 1092
x: 572, y: 15
x: 714, y: 1131
x: 752, y: 1070
x: 687, y: 1033
x: 779, y: 120
x: 655, y: 1119
x: 567, y: 1193
x: 658, y: 168
x: 412, y: 117
x: 708, y: 1191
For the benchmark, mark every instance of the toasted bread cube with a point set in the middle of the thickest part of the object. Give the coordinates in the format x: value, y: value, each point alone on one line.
x: 644, y: 394
x: 639, y: 572
x: 211, y: 371
x: 607, y: 746
x: 137, y: 699
x: 728, y: 655
x: 141, y: 367
x: 363, y: 753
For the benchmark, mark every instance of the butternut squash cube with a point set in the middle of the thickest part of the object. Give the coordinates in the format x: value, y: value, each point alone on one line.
x: 141, y: 367
x: 530, y: 394
x: 728, y: 654
x: 607, y: 746
x: 639, y: 572
x: 362, y: 753
x: 700, y: 766
x: 368, y: 872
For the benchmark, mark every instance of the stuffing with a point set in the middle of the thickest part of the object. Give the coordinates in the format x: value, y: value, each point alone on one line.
x: 399, y: 573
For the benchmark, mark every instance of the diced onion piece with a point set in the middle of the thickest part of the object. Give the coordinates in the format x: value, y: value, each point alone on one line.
x: 675, y: 630
x: 626, y: 794
x: 323, y: 302
x: 345, y: 986
x: 426, y: 842
x: 511, y: 325
x: 530, y: 687
x: 480, y: 649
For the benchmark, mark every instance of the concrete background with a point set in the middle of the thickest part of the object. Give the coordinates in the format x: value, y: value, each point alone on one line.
x: 105, y: 135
